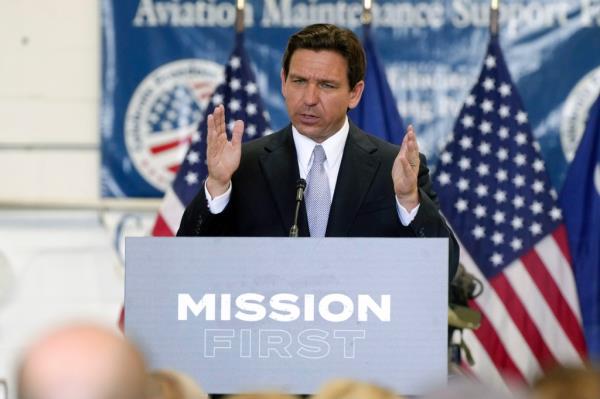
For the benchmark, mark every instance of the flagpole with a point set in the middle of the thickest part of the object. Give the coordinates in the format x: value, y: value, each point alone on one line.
x: 494, y: 17
x: 239, y: 16
x: 367, y: 15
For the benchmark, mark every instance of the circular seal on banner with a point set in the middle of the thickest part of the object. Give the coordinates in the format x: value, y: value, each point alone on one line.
x: 164, y: 113
x: 576, y: 110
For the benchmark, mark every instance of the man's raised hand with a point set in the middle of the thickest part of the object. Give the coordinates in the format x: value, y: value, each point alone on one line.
x: 222, y: 155
x: 405, y: 171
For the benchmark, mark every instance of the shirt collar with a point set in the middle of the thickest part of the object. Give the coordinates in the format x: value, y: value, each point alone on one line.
x: 333, y: 146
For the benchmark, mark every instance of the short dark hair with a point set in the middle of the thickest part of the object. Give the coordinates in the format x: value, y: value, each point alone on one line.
x: 329, y: 37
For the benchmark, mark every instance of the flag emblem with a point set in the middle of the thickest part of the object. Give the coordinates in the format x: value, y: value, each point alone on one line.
x: 576, y: 110
x: 164, y: 113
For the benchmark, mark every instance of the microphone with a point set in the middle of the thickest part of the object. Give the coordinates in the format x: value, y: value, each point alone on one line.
x: 300, y: 186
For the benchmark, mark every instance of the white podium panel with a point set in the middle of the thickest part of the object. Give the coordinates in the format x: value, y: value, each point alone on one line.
x: 246, y: 314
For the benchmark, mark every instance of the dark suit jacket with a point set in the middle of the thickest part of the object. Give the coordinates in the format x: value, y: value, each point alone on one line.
x: 264, y: 188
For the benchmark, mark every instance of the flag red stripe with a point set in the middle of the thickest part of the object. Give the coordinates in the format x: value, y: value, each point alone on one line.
x: 121, y: 322
x: 523, y: 321
x: 560, y: 237
x: 161, y: 229
x: 167, y: 146
x: 174, y: 168
x: 486, y: 334
x: 556, y: 301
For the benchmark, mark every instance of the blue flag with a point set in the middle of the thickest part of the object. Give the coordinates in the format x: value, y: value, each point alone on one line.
x: 377, y: 113
x: 580, y: 201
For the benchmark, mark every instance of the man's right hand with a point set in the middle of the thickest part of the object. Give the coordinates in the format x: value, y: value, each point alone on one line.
x: 222, y: 156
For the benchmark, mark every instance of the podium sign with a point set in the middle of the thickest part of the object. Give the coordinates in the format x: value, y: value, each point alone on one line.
x: 247, y: 314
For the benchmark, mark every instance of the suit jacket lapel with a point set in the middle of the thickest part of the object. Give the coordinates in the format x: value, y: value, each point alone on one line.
x: 357, y: 170
x: 280, y: 167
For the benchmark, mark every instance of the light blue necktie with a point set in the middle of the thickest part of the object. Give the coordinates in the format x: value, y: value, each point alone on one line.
x: 318, y: 198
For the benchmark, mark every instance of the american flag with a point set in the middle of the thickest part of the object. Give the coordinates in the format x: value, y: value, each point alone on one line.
x: 239, y: 94
x: 498, y: 199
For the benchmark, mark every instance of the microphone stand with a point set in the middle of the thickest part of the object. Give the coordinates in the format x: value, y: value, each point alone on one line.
x: 300, y: 186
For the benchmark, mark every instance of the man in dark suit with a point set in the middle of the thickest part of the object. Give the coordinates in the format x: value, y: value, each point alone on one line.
x: 358, y: 185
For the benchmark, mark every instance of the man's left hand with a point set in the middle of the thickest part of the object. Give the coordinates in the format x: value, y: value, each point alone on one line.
x: 405, y: 171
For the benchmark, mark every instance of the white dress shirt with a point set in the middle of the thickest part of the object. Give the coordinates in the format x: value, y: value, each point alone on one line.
x: 333, y: 147
x: 334, y: 150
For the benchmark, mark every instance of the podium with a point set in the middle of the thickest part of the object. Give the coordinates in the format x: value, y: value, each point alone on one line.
x: 248, y: 314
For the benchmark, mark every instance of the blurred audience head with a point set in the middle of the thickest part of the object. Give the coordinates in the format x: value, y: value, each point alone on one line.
x: 567, y: 383
x: 263, y: 395
x: 82, y: 362
x: 351, y: 389
x: 465, y: 388
x: 170, y: 384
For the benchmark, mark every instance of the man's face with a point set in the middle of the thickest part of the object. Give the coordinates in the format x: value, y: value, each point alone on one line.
x: 317, y: 92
